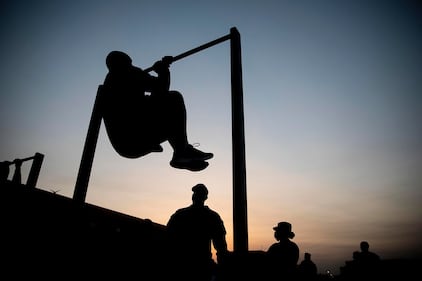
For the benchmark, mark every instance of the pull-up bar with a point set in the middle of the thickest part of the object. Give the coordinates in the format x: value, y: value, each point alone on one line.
x: 240, y: 232
x: 197, y: 49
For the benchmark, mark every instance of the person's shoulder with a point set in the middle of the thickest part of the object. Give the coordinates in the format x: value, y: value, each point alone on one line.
x: 179, y: 212
x: 183, y: 210
x: 212, y: 212
x: 374, y: 255
x: 274, y: 246
x: 209, y: 209
x: 294, y: 244
x: 178, y: 215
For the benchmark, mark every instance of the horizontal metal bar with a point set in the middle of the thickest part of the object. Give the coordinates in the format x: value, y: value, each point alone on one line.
x: 19, y: 160
x: 197, y: 49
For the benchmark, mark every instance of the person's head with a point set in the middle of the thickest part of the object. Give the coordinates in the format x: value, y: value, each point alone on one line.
x: 307, y: 256
x: 364, y: 246
x: 200, y: 193
x: 283, y: 230
x: 118, y: 61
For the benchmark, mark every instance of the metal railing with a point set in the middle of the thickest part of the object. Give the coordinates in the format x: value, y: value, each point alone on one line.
x: 34, y: 172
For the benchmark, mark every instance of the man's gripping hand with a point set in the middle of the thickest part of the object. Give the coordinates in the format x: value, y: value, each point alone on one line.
x: 163, y: 64
x: 167, y: 60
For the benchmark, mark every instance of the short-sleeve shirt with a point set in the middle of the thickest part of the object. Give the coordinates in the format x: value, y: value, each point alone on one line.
x: 193, y: 228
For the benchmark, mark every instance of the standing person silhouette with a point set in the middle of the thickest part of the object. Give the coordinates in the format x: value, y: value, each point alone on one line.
x: 367, y: 262
x: 307, y: 268
x: 137, y: 122
x: 283, y: 255
x: 191, y: 231
x: 365, y: 255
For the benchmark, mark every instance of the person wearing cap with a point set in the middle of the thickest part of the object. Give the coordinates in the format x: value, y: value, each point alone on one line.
x: 140, y: 112
x: 283, y: 255
x: 191, y: 232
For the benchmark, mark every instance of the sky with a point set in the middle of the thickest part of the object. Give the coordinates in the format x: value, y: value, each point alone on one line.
x: 332, y: 106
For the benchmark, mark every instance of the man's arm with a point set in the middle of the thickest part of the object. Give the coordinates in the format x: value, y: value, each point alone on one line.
x: 161, y: 67
x: 219, y: 239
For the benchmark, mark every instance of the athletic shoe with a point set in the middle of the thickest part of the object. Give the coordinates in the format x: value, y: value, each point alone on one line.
x: 191, y: 153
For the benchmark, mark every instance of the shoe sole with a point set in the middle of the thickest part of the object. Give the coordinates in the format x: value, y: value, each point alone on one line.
x: 208, y: 157
x: 158, y: 148
x: 199, y: 159
x: 198, y: 165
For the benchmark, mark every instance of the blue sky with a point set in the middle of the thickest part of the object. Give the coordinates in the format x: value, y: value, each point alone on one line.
x: 332, y: 97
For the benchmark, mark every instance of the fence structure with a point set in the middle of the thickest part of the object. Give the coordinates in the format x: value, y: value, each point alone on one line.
x: 34, y: 172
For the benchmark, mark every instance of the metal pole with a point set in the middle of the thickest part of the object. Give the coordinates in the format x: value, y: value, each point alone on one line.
x: 84, y: 172
x: 17, y: 176
x: 35, y: 170
x: 240, y: 224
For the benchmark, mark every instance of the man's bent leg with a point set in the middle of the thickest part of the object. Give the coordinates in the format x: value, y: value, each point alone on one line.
x: 175, y: 120
x: 185, y: 156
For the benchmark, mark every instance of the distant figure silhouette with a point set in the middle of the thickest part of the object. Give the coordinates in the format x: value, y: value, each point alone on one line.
x: 137, y: 122
x: 367, y: 262
x: 307, y: 268
x: 283, y: 255
x: 191, y: 231
x: 367, y: 256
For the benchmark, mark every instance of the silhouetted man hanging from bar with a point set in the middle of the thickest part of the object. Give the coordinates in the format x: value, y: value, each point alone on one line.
x: 140, y: 112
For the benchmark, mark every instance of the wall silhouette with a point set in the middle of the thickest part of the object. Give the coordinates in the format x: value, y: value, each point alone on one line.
x: 46, y: 235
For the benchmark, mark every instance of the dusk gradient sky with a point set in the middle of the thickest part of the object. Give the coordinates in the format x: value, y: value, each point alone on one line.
x: 332, y: 103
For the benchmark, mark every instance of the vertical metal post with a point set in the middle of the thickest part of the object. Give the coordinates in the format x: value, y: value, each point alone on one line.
x: 17, y: 175
x: 240, y: 224
x: 84, y: 172
x: 35, y: 170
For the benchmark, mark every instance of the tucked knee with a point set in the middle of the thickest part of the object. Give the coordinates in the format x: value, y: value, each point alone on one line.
x: 176, y: 94
x: 176, y: 97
